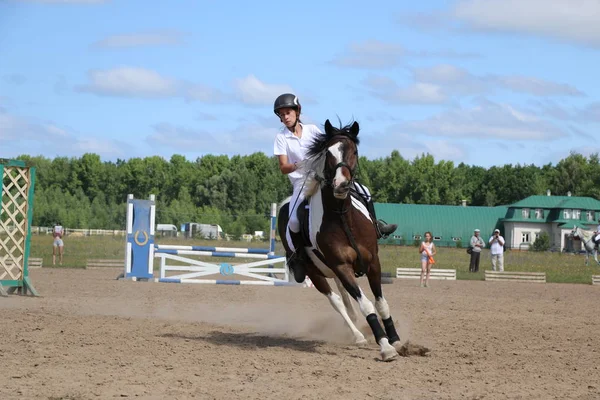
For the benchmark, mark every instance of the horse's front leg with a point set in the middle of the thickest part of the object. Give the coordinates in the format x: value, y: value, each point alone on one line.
x: 346, y: 299
x: 383, y: 309
x: 345, y: 273
x: 337, y: 303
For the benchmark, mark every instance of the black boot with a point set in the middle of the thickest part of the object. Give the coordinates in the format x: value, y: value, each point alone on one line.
x: 297, y: 260
x: 382, y: 228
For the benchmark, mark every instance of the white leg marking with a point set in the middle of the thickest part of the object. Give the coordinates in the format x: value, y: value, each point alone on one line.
x: 386, y: 350
x: 366, y: 307
x: 383, y: 309
x: 346, y: 298
x: 338, y: 305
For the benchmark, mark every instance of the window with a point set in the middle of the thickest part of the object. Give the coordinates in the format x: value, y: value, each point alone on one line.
x: 589, y: 215
x: 525, y: 237
x: 456, y: 239
x: 539, y: 213
x: 437, y: 238
x: 567, y: 214
x: 576, y: 214
x: 525, y: 213
x: 417, y: 237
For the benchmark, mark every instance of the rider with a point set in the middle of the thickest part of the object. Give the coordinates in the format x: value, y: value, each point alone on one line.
x: 596, y: 237
x: 291, y: 144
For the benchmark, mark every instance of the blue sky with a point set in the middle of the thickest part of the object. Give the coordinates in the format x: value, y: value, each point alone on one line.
x: 485, y: 82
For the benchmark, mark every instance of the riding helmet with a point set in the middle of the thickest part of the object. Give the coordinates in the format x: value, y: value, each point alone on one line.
x: 287, y: 100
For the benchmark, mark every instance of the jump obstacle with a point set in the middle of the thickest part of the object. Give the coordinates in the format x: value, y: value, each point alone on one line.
x: 140, y: 252
x: 16, y: 213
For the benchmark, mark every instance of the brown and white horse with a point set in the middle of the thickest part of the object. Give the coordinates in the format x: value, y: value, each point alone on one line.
x: 343, y: 238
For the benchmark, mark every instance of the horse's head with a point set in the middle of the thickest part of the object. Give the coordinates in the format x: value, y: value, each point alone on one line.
x: 334, y: 158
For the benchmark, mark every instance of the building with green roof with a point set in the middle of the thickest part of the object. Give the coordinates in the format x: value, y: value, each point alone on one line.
x: 449, y: 225
x: 555, y: 215
x: 520, y: 223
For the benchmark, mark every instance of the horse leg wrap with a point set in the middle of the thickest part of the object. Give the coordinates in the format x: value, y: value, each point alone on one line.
x: 390, y: 330
x: 375, y: 327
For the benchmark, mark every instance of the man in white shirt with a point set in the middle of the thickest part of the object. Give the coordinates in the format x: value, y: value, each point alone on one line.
x: 497, y: 249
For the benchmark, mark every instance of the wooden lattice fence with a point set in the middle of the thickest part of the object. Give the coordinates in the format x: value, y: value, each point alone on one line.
x: 16, y: 212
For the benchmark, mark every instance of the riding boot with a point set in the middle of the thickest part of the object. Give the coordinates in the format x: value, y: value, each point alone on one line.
x: 382, y: 228
x: 297, y: 260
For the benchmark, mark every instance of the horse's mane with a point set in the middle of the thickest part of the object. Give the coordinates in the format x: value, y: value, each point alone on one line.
x: 586, y: 234
x: 317, y: 154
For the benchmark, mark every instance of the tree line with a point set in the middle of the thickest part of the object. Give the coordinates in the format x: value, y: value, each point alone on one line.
x: 236, y: 192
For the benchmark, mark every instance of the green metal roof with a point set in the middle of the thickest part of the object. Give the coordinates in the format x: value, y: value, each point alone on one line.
x: 444, y: 221
x: 572, y: 202
x: 569, y: 223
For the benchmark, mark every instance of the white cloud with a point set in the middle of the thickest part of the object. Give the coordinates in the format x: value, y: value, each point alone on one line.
x: 159, y: 38
x: 416, y: 93
x: 24, y: 135
x: 568, y: 20
x: 129, y: 82
x: 202, y: 93
x: 370, y: 54
x: 452, y: 79
x: 486, y: 120
x: 249, y: 138
x: 439, y: 83
x: 591, y: 112
x: 428, y: 21
x: 251, y: 90
x: 536, y: 87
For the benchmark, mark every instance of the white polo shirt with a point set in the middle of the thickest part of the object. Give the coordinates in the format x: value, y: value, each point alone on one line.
x: 295, y: 148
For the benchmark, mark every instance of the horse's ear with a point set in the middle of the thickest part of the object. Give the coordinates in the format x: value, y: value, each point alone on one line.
x: 328, y: 128
x: 354, y: 129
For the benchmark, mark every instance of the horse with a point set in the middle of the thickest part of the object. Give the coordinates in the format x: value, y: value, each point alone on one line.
x: 588, y: 243
x: 343, y: 238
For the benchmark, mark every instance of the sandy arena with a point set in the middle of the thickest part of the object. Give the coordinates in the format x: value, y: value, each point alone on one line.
x: 92, y: 337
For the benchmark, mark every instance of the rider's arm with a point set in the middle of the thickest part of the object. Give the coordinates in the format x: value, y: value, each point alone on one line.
x: 286, y: 167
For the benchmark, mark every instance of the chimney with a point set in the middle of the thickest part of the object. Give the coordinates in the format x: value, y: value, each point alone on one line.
x: 569, y: 193
x: 464, y: 203
x: 548, y: 192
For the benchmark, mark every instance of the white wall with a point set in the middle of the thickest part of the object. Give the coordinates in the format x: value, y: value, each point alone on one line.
x: 514, y: 232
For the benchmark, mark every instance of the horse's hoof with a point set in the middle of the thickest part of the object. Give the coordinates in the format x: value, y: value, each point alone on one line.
x: 361, y: 342
x: 389, y: 354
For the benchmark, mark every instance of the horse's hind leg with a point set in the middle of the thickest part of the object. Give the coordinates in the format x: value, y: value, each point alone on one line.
x: 346, y: 276
x: 383, y: 309
x: 337, y: 303
x: 346, y: 298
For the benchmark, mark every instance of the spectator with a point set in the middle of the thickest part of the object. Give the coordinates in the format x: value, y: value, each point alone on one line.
x: 497, y: 250
x: 476, y: 244
x: 57, y: 234
x: 427, y: 250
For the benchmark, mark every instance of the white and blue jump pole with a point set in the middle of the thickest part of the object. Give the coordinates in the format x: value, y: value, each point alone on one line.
x: 140, y: 253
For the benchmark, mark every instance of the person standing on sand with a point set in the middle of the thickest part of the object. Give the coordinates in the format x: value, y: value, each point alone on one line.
x: 58, y: 244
